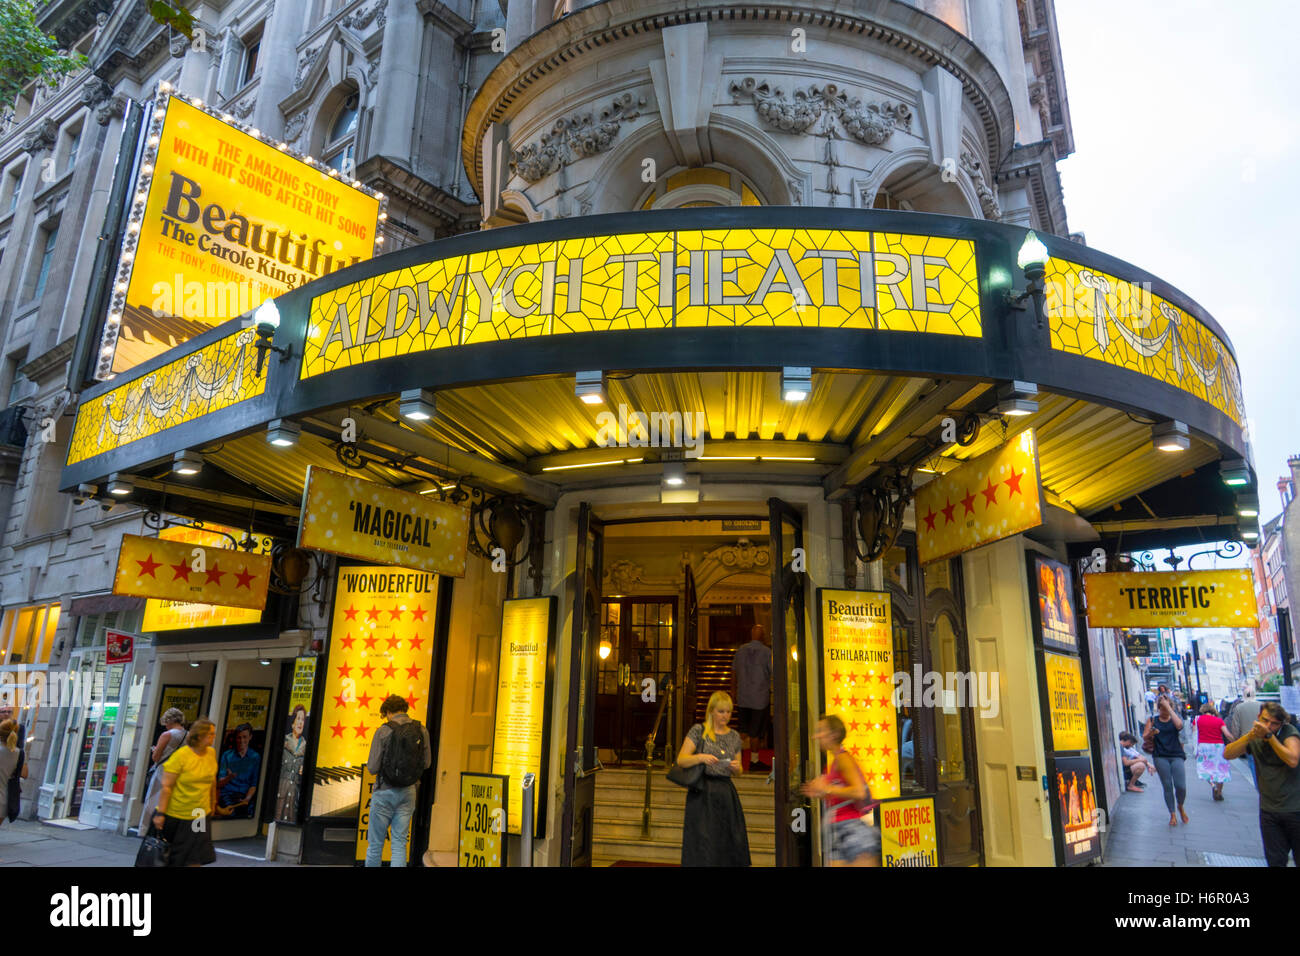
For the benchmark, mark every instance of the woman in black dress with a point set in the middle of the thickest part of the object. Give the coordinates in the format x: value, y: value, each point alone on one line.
x: 713, y: 832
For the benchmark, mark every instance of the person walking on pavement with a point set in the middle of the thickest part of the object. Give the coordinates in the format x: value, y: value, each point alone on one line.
x: 1274, y: 742
x: 169, y: 741
x: 187, y: 799
x: 1170, y: 758
x: 1240, y: 721
x: 399, y: 756
x: 752, y: 684
x: 1151, y: 702
x: 1211, y: 734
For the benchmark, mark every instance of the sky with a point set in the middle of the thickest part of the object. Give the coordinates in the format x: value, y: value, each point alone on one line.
x: 1187, y: 151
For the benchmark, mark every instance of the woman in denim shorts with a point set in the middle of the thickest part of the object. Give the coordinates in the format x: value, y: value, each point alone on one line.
x: 849, y: 841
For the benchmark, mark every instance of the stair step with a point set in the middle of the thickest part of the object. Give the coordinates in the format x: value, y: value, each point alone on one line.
x: 605, y: 832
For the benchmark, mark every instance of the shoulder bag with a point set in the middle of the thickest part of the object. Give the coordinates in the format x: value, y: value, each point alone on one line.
x: 692, y: 778
x: 1149, y: 737
x: 154, y: 850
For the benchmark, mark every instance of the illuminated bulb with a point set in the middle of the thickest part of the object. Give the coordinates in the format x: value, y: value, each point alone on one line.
x: 159, y: 114
x: 146, y: 169
x: 605, y: 650
x: 256, y: 132
x: 153, y: 140
x: 379, y: 195
x: 379, y: 240
x: 164, y: 87
x: 383, y: 215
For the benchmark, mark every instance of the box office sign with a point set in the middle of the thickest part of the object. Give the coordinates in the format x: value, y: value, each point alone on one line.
x: 908, y: 833
x: 373, y: 522
x: 519, y: 741
x: 986, y: 499
x: 181, y: 571
x: 220, y: 222
x: 857, y: 684
x: 164, y: 615
x: 1065, y: 702
x: 1172, y: 599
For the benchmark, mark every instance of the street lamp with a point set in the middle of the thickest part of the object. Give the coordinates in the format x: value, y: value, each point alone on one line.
x: 1032, y: 260
x: 266, y: 320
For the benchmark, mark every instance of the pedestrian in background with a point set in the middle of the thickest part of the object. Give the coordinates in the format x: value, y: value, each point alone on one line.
x: 399, y: 756
x: 751, y: 669
x: 1135, y: 762
x: 713, y: 828
x: 171, y: 739
x: 1170, y: 758
x: 1240, y: 721
x: 850, y: 842
x: 12, y: 764
x: 1211, y: 735
x: 1274, y: 742
x: 187, y: 800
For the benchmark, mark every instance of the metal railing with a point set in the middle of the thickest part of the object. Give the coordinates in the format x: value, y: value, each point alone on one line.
x: 669, y: 689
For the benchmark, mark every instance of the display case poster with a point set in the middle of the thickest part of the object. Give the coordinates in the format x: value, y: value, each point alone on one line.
x: 1053, y: 588
x: 482, y: 820
x: 185, y: 698
x: 1065, y: 702
x: 289, y: 791
x: 1075, y: 808
x: 243, y: 744
x: 519, y: 741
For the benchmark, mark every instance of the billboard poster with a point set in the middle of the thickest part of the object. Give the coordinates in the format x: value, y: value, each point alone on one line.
x: 161, y: 614
x: 222, y: 220
x: 908, y: 833
x: 243, y: 743
x: 1052, y: 587
x: 483, y: 809
x: 289, y: 793
x: 1065, y: 702
x: 1074, y: 808
x: 519, y: 737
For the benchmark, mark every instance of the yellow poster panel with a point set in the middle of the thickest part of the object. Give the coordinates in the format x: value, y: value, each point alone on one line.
x: 482, y: 820
x: 907, y: 833
x: 363, y: 821
x: 521, y: 700
x: 1065, y: 702
x: 1172, y: 599
x: 180, y: 571
x: 162, y: 615
x: 184, y: 699
x: 227, y: 221
x: 373, y: 522
x: 986, y: 499
x: 381, y: 643
x: 304, y: 682
x: 858, y: 681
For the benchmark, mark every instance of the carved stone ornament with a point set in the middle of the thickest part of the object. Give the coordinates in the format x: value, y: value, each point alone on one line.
x: 742, y: 556
x: 573, y: 138
x: 95, y: 91
x: 305, y: 63
x: 869, y: 123
x: 244, y: 108
x: 987, y: 197
x: 294, y: 126
x: 42, y: 137
x: 111, y: 109
x: 364, y: 17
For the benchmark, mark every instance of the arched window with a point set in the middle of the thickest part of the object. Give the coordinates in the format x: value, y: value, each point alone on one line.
x: 341, y: 139
x: 702, y: 186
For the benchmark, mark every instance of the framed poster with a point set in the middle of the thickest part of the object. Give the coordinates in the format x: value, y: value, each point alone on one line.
x: 1075, y: 815
x: 521, y: 739
x: 289, y: 791
x: 1065, y: 703
x: 120, y: 647
x: 482, y: 816
x: 239, y: 766
x: 1051, y: 593
x: 184, y: 697
x: 909, y: 834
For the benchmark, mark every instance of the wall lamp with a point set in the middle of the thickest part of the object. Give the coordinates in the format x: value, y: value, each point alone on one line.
x: 796, y: 383
x: 1248, y: 505
x: 187, y: 463
x: 417, y: 404
x: 85, y: 493
x: 1032, y: 259
x: 1017, y: 399
x: 1170, y: 436
x: 282, y: 433
x: 590, y: 387
x: 266, y: 320
x: 118, y: 485
x: 1234, y: 472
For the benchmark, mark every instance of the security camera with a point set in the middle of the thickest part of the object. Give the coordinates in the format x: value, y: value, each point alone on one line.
x: 106, y: 506
x: 84, y: 493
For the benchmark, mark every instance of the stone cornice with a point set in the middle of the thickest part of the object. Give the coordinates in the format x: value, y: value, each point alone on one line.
x: 903, y: 28
x: 47, y: 361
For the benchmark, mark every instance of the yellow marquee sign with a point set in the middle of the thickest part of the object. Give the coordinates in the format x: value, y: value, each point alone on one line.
x: 858, y: 681
x: 222, y: 221
x: 1065, y: 702
x: 809, y: 278
x: 168, y: 615
x: 986, y: 499
x: 373, y: 522
x: 1172, y: 599
x: 181, y: 571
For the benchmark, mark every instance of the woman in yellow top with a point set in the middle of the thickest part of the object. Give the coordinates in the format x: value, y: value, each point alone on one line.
x: 188, y: 799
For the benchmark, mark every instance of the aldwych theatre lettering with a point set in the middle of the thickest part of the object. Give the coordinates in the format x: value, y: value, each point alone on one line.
x: 711, y: 280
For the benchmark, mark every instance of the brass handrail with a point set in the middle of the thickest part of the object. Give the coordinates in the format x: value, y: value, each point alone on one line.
x: 650, y: 754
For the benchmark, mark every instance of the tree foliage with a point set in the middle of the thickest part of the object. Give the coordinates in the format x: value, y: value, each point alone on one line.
x: 171, y: 15
x: 28, y: 54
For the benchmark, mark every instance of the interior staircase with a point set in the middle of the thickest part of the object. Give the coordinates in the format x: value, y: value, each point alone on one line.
x: 620, y: 797
x: 712, y: 673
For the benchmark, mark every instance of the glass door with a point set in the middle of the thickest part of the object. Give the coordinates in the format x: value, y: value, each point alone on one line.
x: 580, y: 764
x: 795, y: 758
x: 97, y: 741
x: 636, y: 645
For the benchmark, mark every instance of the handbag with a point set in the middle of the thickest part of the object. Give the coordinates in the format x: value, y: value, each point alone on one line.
x: 154, y: 850
x: 14, y: 792
x: 1149, y: 738
x: 689, y: 777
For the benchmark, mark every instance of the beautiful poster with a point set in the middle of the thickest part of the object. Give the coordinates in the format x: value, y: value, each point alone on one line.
x: 519, y: 738
x: 381, y: 643
x: 243, y: 744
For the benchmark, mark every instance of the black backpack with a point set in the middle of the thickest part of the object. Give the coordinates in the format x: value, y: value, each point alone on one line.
x: 403, y: 761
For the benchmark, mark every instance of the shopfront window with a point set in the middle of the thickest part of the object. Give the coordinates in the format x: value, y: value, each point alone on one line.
x: 28, y: 634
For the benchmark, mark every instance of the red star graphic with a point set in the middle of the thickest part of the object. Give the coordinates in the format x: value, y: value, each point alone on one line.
x: 418, y: 613
x: 969, y: 503
x: 347, y: 640
x: 947, y: 512
x: 345, y: 670
x: 887, y: 775
x: 364, y: 701
x: 837, y: 677
x: 390, y: 670
x: 410, y: 701
x: 395, y: 614
x: 340, y: 700
x: 990, y: 494
x: 870, y: 751
x: 373, y: 613
x: 882, y: 678
x: 243, y: 579
x: 853, y: 726
x: 868, y: 703
x: 413, y: 672
x: 367, y: 671
x: 837, y: 700
x: 361, y: 730
x: 1014, y: 482
x: 854, y: 750
x: 886, y: 750
x: 338, y: 729
x: 371, y: 641
x: 416, y: 642
x: 394, y: 642
x: 182, y: 570
x: 884, y: 725
x: 149, y: 566
x: 929, y: 520
x: 351, y: 613
x: 215, y: 574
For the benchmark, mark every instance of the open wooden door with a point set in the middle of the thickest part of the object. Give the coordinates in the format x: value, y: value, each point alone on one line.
x: 794, y: 763
x: 580, y: 740
x: 684, y: 705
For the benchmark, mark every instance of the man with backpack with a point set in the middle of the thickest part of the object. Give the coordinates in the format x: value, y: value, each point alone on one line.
x: 399, y: 755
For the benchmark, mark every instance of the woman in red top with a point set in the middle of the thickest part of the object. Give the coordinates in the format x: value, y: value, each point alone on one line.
x: 849, y: 841
x: 1211, y: 765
